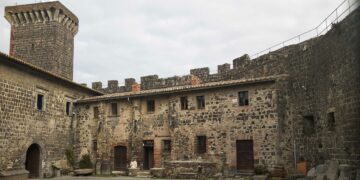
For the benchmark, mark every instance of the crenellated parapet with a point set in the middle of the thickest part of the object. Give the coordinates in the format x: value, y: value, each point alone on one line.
x: 113, y: 86
x: 41, y: 13
x: 43, y: 35
x: 242, y: 67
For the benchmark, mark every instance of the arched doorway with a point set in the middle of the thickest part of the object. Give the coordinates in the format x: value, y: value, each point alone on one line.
x: 32, y: 163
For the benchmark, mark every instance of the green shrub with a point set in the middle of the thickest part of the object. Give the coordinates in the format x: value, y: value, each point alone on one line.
x: 70, y: 157
x: 85, y: 162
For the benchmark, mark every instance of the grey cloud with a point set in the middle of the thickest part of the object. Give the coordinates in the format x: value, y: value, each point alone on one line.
x: 132, y: 38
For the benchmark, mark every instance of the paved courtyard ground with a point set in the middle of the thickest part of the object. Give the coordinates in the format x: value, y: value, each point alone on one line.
x: 94, y: 178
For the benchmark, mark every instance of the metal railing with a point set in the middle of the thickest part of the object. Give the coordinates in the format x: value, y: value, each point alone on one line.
x: 340, y: 12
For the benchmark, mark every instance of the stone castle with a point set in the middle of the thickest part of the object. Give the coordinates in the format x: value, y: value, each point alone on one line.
x: 293, y: 106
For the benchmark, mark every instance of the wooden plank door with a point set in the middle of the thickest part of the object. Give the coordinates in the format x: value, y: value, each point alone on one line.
x: 32, y: 163
x: 245, y: 155
x: 120, y: 159
x: 148, y: 158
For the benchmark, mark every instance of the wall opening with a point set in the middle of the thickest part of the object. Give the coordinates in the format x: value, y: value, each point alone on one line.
x: 184, y: 103
x: 40, y: 102
x: 245, y: 155
x: 148, y: 154
x: 32, y: 162
x: 150, y: 105
x: 243, y: 98
x: 309, y: 125
x: 120, y: 158
x: 200, y: 101
x: 331, y: 121
x: 201, y: 144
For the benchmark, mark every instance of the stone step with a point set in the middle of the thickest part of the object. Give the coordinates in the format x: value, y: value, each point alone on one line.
x: 144, y: 174
x: 119, y: 173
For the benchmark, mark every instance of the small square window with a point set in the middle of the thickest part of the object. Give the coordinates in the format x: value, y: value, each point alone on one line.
x: 243, y: 98
x: 96, y: 112
x: 184, y: 103
x: 201, y: 144
x: 114, y: 109
x: 67, y: 108
x: 167, y: 146
x: 151, y: 105
x: 94, y: 145
x: 200, y: 102
x: 40, y: 102
x: 331, y: 121
x: 308, y: 125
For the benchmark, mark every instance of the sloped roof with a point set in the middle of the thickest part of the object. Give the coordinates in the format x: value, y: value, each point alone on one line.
x: 4, y: 58
x: 185, y: 88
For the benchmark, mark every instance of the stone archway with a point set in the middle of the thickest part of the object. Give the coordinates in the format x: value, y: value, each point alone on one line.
x: 32, y: 162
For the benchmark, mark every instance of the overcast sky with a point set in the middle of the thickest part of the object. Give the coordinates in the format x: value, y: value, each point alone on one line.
x: 119, y: 39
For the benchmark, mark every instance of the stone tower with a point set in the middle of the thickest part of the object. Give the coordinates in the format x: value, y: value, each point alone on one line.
x: 43, y: 35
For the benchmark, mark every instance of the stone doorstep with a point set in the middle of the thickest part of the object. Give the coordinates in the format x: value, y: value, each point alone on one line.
x: 133, y: 171
x: 143, y: 173
x: 82, y: 172
x: 260, y: 177
x: 119, y: 173
x: 187, y: 175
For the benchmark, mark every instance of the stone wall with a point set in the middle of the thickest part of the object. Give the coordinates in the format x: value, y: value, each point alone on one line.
x: 222, y: 121
x: 43, y: 34
x: 323, y: 87
x: 325, y: 84
x: 22, y: 124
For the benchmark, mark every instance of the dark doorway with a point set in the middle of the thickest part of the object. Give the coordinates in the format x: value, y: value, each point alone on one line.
x: 148, y: 155
x: 120, y: 159
x: 245, y: 155
x: 32, y: 162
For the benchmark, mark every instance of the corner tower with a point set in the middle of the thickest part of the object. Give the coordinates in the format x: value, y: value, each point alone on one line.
x: 43, y: 35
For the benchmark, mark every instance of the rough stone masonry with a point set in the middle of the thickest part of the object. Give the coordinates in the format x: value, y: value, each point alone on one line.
x: 293, y: 106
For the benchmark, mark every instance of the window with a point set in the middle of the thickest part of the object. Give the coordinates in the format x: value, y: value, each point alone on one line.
x: 151, y: 105
x: 167, y: 145
x: 67, y: 108
x: 201, y: 144
x: 114, y: 109
x: 331, y: 121
x: 94, y: 145
x: 200, y: 102
x: 243, y: 98
x: 40, y: 102
x: 184, y: 103
x: 96, y: 112
x: 308, y: 125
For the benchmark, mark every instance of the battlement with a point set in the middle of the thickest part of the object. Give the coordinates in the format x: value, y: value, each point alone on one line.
x: 243, y: 67
x: 43, y: 35
x: 40, y: 13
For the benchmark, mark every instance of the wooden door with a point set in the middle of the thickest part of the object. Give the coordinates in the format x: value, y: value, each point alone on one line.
x: 32, y: 163
x: 120, y: 160
x: 148, y: 158
x: 244, y: 155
